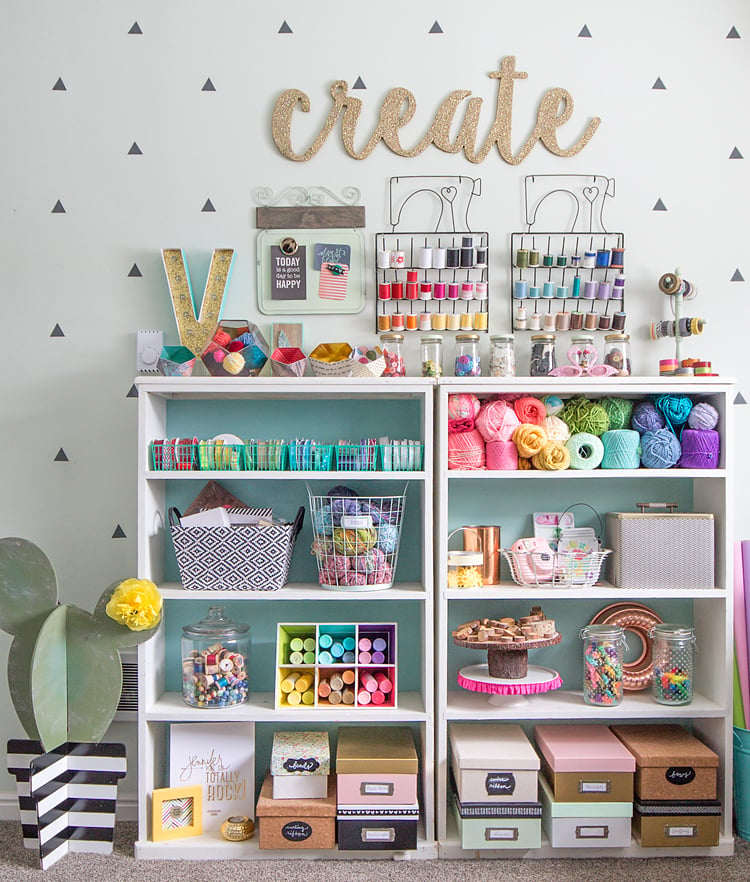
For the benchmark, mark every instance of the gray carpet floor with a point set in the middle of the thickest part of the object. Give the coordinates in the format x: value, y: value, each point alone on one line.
x: 18, y: 864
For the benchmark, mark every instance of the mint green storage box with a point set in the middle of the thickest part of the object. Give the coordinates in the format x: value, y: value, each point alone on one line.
x: 584, y: 825
x: 506, y: 826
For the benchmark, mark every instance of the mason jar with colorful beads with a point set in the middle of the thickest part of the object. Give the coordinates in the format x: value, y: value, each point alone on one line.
x: 673, y: 664
x: 603, y: 656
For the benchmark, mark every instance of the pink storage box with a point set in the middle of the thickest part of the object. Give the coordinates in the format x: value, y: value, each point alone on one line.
x: 362, y: 788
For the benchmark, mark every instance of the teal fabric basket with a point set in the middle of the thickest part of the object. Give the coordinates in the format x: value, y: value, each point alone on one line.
x: 742, y: 782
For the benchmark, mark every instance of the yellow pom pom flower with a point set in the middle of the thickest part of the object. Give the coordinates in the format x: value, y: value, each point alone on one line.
x: 135, y: 603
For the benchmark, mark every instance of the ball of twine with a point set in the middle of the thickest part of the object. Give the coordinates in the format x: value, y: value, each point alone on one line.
x: 583, y: 415
x: 553, y: 457
x: 703, y: 416
x: 553, y: 404
x: 502, y: 456
x: 463, y: 405
x: 586, y: 450
x: 675, y: 409
x: 497, y: 421
x: 466, y: 450
x: 529, y: 439
x: 530, y: 410
x: 622, y: 449
x: 700, y: 449
x: 556, y: 429
x: 659, y: 449
x: 619, y: 411
x: 646, y: 418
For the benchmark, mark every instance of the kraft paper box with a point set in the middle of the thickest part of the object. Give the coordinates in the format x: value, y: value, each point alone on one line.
x: 221, y: 758
x: 296, y: 823
x: 686, y: 824
x: 300, y: 765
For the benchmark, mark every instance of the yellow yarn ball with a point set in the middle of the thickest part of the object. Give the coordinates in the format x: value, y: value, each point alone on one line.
x: 529, y: 439
x: 553, y: 457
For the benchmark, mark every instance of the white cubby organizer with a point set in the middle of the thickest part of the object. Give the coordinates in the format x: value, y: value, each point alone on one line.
x: 508, y: 498
x: 326, y: 409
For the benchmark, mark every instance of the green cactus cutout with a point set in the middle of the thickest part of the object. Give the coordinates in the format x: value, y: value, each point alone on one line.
x: 64, y: 668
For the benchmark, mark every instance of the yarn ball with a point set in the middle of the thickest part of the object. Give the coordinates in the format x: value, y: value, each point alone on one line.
x: 463, y: 405
x: 466, y: 450
x: 530, y: 410
x: 322, y: 519
x: 553, y: 457
x: 646, y: 418
x: 524, y: 464
x: 703, y: 416
x: 342, y: 506
x: 336, y: 563
x: 382, y: 576
x: 328, y: 577
x: 556, y: 429
x: 342, y: 490
x: 353, y: 578
x: 674, y: 408
x: 660, y: 449
x: 586, y: 451
x: 380, y: 510
x: 235, y: 346
x: 622, y: 449
x: 700, y: 449
x: 388, y: 538
x: 497, y: 421
x: 502, y: 456
x: 353, y: 542
x: 369, y: 561
x: 529, y: 439
x: 553, y: 404
x: 583, y: 415
x: 221, y: 338
x: 218, y: 356
x: 619, y: 411
x: 464, y: 425
x: 322, y: 547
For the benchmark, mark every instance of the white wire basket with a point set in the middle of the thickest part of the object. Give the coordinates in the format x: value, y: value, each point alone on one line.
x: 556, y: 569
x: 356, y: 539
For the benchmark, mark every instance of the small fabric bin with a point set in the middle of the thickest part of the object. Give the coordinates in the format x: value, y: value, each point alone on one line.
x: 593, y: 825
x: 300, y: 765
x: 663, y: 550
x: 376, y: 766
x: 685, y: 824
x: 493, y: 762
x: 507, y: 825
x: 377, y: 828
x: 296, y: 823
x: 671, y: 763
x: 585, y: 763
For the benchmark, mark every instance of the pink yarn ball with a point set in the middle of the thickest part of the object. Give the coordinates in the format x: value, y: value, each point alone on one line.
x: 466, y: 450
x: 463, y: 405
x: 530, y: 410
x: 497, y: 421
x: 502, y: 456
x: 556, y: 429
x: 219, y: 356
x: 382, y: 576
x: 327, y: 577
x: 221, y: 338
x: 354, y: 578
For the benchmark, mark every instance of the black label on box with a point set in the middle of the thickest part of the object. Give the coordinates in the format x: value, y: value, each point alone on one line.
x: 680, y: 774
x: 296, y: 831
x: 301, y: 764
x: 500, y: 783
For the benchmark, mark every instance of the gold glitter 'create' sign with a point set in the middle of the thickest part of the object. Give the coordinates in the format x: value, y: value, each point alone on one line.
x: 399, y: 106
x: 194, y: 333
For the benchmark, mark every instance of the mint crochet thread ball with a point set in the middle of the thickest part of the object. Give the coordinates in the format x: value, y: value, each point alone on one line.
x: 583, y: 415
x: 619, y: 411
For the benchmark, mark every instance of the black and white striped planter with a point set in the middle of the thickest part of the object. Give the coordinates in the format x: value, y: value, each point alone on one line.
x: 67, y: 796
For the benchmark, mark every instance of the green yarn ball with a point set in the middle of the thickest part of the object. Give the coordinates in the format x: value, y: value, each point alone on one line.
x: 619, y: 411
x: 583, y: 415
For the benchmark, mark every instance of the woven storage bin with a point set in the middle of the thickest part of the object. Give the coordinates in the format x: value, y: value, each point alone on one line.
x: 661, y: 550
x: 245, y: 557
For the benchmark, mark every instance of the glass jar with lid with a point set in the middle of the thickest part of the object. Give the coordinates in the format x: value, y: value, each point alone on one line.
x: 502, y: 356
x: 673, y: 664
x: 617, y: 353
x: 214, y: 661
x: 467, y: 363
x: 582, y: 352
x: 603, y: 656
x: 431, y: 347
x: 543, y: 358
x: 393, y: 353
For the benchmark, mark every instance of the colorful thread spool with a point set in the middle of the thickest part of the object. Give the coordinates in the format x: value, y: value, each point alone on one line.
x: 561, y: 260
x: 480, y: 291
x: 604, y: 290
x: 522, y: 258
x: 586, y: 451
x: 467, y: 290
x: 603, y: 257
x: 452, y: 257
x: 425, y: 290
x: 576, y: 291
x: 481, y: 257
x: 398, y: 322
x: 589, y: 290
x: 618, y: 289
x: 534, y: 292
x: 548, y: 289
x: 397, y: 259
x: 439, y: 258
x: 534, y: 258
x: 548, y: 260
x: 384, y: 291
x: 589, y: 260
x: 424, y: 257
x: 452, y: 291
x: 618, y: 258
x: 397, y: 290
x: 562, y: 292
x: 438, y: 291
x: 383, y: 259
x: 521, y: 289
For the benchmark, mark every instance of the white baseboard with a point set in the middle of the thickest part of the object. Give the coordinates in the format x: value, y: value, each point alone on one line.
x: 127, y: 807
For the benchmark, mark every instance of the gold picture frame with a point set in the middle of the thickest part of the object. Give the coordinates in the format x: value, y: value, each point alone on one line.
x: 176, y: 813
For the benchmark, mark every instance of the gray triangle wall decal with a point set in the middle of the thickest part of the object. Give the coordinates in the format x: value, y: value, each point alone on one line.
x: 61, y: 456
x: 57, y: 331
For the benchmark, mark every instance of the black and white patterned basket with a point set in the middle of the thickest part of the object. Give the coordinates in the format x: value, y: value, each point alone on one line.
x: 244, y: 557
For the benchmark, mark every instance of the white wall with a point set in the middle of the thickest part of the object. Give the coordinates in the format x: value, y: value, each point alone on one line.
x: 72, y: 145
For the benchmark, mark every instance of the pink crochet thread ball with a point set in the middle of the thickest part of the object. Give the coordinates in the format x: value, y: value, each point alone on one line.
x: 466, y: 450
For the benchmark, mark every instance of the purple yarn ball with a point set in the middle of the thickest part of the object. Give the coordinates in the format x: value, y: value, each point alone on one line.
x: 646, y: 418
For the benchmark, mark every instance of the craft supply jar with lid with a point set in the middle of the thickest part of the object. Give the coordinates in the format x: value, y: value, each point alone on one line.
x: 543, y: 358
x: 603, y: 656
x: 467, y: 362
x: 214, y: 661
x: 617, y: 353
x: 502, y: 356
x: 393, y: 353
x: 673, y: 664
x: 582, y: 352
x: 431, y: 348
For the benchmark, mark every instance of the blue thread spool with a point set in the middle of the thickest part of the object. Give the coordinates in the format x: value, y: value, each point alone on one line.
x: 575, y: 260
x: 521, y: 289
x: 548, y: 290
x: 576, y: 292
x: 618, y: 258
x: 534, y: 292
x: 562, y: 292
x: 589, y: 259
x: 603, y: 257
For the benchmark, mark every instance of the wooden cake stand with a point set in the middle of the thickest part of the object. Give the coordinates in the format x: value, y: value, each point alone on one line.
x: 509, y: 661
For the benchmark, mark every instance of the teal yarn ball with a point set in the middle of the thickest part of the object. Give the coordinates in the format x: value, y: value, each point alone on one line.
x: 583, y: 415
x: 619, y: 411
x: 622, y: 449
x: 674, y: 408
x: 586, y: 451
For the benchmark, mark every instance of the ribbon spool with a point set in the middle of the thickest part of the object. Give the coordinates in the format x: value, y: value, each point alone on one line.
x: 672, y: 284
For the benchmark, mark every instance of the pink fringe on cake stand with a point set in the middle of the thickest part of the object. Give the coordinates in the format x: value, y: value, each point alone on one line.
x: 476, y: 678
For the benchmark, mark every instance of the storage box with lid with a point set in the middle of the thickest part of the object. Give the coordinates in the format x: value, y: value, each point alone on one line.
x: 671, y: 763
x: 300, y: 765
x: 296, y: 823
x: 661, y: 549
x: 498, y: 825
x: 585, y: 763
x: 493, y: 763
x: 584, y: 825
x: 377, y: 828
x: 376, y: 766
x: 686, y: 823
